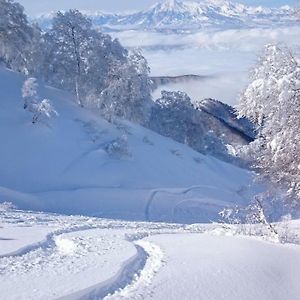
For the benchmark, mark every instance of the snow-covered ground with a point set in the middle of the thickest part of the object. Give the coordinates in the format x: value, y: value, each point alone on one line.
x: 69, y: 257
x: 201, y: 266
x: 64, y: 166
x: 77, y: 163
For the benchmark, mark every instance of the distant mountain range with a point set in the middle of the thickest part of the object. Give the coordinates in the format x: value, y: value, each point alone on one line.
x: 177, y: 16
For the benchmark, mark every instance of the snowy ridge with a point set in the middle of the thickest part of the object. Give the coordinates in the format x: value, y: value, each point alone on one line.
x: 228, y: 116
x: 175, y: 15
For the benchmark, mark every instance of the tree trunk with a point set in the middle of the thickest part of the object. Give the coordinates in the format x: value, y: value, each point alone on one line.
x: 78, y: 73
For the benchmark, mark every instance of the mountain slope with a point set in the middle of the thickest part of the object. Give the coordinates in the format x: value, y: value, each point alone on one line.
x: 80, y: 164
x: 228, y: 117
x: 174, y: 15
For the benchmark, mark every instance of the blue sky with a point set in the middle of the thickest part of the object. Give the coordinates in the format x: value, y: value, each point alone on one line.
x: 39, y: 6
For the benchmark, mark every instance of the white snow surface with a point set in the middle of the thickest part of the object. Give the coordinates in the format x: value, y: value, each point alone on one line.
x: 92, y: 258
x: 209, y: 267
x: 62, y: 166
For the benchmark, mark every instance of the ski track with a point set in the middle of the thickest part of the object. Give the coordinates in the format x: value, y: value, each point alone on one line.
x: 130, y: 281
x: 135, y: 275
x: 47, y: 243
x: 138, y: 288
x: 132, y: 278
x: 172, y: 192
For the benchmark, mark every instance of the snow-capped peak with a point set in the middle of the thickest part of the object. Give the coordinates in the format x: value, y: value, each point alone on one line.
x: 170, y: 5
x: 182, y: 15
x: 176, y: 15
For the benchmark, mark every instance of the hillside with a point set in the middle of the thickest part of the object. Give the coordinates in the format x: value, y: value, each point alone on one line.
x: 78, y: 163
x: 123, y: 179
x: 228, y: 117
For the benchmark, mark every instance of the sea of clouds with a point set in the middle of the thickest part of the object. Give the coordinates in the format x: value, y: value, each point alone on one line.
x: 225, y: 56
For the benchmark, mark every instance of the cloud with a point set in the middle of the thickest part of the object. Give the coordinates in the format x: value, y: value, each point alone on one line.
x: 224, y: 87
x: 228, y: 55
x: 238, y: 39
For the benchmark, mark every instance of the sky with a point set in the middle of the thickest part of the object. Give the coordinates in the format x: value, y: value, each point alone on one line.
x: 34, y: 7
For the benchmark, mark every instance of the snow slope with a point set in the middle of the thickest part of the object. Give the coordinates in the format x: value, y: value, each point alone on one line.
x: 222, y: 268
x: 64, y: 166
x: 91, y: 258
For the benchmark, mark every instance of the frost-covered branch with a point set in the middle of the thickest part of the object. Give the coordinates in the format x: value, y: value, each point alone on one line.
x: 40, y: 109
x: 272, y: 102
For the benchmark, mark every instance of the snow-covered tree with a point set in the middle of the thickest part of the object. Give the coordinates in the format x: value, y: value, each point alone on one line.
x: 172, y: 116
x: 40, y: 109
x: 76, y: 57
x: 35, y: 57
x: 175, y: 116
x: 29, y: 92
x: 119, y: 147
x: 128, y: 91
x: 272, y: 81
x: 43, y: 110
x: 297, y: 12
x: 207, y: 126
x: 16, y: 36
x: 272, y: 101
x: 104, y: 55
x: 67, y: 43
x: 79, y: 57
